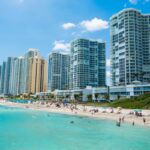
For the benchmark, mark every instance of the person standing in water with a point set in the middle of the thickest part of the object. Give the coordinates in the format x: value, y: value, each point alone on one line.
x: 133, y: 123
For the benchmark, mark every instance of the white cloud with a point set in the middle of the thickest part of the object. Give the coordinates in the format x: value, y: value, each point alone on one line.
x: 61, y: 46
x: 108, y: 62
x: 108, y: 77
x: 108, y: 74
x: 68, y: 26
x: 134, y: 2
x: 94, y: 24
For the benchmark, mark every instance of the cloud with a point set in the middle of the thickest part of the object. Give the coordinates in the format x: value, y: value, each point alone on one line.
x: 68, y: 26
x: 108, y: 62
x: 108, y: 74
x: 94, y: 24
x: 134, y: 2
x: 61, y: 46
x: 108, y: 77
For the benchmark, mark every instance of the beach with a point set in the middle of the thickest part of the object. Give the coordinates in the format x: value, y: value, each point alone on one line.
x: 88, y: 111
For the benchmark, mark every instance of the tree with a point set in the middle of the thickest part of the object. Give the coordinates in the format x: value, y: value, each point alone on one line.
x: 118, y: 96
x: 96, y: 96
x: 78, y: 97
x: 106, y: 96
x: 89, y: 97
x: 51, y: 96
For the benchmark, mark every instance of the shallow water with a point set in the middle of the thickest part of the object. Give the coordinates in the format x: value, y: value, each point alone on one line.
x: 22, y: 129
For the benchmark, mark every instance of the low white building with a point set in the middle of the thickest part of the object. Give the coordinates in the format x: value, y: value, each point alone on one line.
x: 119, y: 92
x: 103, y: 93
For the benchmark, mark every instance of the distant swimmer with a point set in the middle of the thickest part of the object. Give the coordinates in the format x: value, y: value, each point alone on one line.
x: 48, y: 115
x: 72, y: 122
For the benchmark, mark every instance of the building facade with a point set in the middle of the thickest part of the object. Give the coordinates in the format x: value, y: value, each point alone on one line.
x: 114, y: 92
x: 8, y: 75
x: 24, y: 75
x: 37, y: 75
x: 130, y: 47
x: 58, y: 71
x: 17, y: 77
x: 3, y: 72
x: 87, y: 64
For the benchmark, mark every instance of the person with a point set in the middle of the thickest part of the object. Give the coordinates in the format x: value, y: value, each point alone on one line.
x: 133, y: 123
x: 119, y: 119
x: 144, y: 120
x: 118, y: 124
x: 123, y: 119
x: 72, y: 122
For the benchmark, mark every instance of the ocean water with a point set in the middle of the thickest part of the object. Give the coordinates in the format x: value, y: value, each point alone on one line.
x: 22, y: 129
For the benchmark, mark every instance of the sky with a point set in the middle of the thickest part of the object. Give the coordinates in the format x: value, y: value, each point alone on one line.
x: 51, y: 24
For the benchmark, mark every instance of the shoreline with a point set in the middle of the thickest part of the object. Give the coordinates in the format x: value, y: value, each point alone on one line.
x: 80, y: 112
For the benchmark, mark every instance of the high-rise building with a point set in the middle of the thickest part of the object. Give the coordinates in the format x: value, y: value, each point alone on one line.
x: 0, y: 74
x: 38, y: 75
x: 130, y: 47
x: 32, y: 52
x: 12, y: 75
x: 3, y: 72
x: 27, y: 74
x: 58, y: 71
x: 87, y: 64
x: 18, y: 76
x: 8, y: 75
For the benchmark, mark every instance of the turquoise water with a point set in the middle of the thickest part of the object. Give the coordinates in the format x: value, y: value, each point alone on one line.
x: 22, y: 129
x: 20, y: 101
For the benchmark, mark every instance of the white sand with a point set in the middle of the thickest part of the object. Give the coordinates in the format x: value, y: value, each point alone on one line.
x: 81, y: 112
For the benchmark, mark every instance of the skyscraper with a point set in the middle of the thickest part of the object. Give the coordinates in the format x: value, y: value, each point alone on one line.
x: 3, y: 72
x: 32, y: 52
x: 18, y: 76
x: 58, y: 71
x: 130, y: 47
x: 27, y: 74
x: 87, y: 64
x: 38, y: 75
x: 0, y: 74
x: 8, y: 75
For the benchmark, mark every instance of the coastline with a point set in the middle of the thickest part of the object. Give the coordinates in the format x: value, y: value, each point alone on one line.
x: 81, y: 112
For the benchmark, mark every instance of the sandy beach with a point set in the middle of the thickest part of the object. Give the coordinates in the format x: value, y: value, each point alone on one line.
x: 88, y: 111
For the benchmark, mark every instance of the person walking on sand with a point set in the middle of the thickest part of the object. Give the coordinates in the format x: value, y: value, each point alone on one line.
x: 144, y: 120
x: 120, y: 119
x: 123, y: 119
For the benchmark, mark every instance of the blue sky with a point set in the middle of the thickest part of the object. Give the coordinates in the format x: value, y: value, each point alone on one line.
x: 52, y: 24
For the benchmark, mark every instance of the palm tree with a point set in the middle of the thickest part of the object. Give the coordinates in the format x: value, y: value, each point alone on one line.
x: 96, y: 96
x: 89, y: 97
x: 106, y: 96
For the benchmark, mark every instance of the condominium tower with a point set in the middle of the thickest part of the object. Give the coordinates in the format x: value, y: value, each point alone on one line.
x: 58, y: 71
x: 24, y: 75
x: 87, y: 64
x: 130, y: 47
x: 38, y: 75
x: 16, y: 85
x: 2, y: 80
